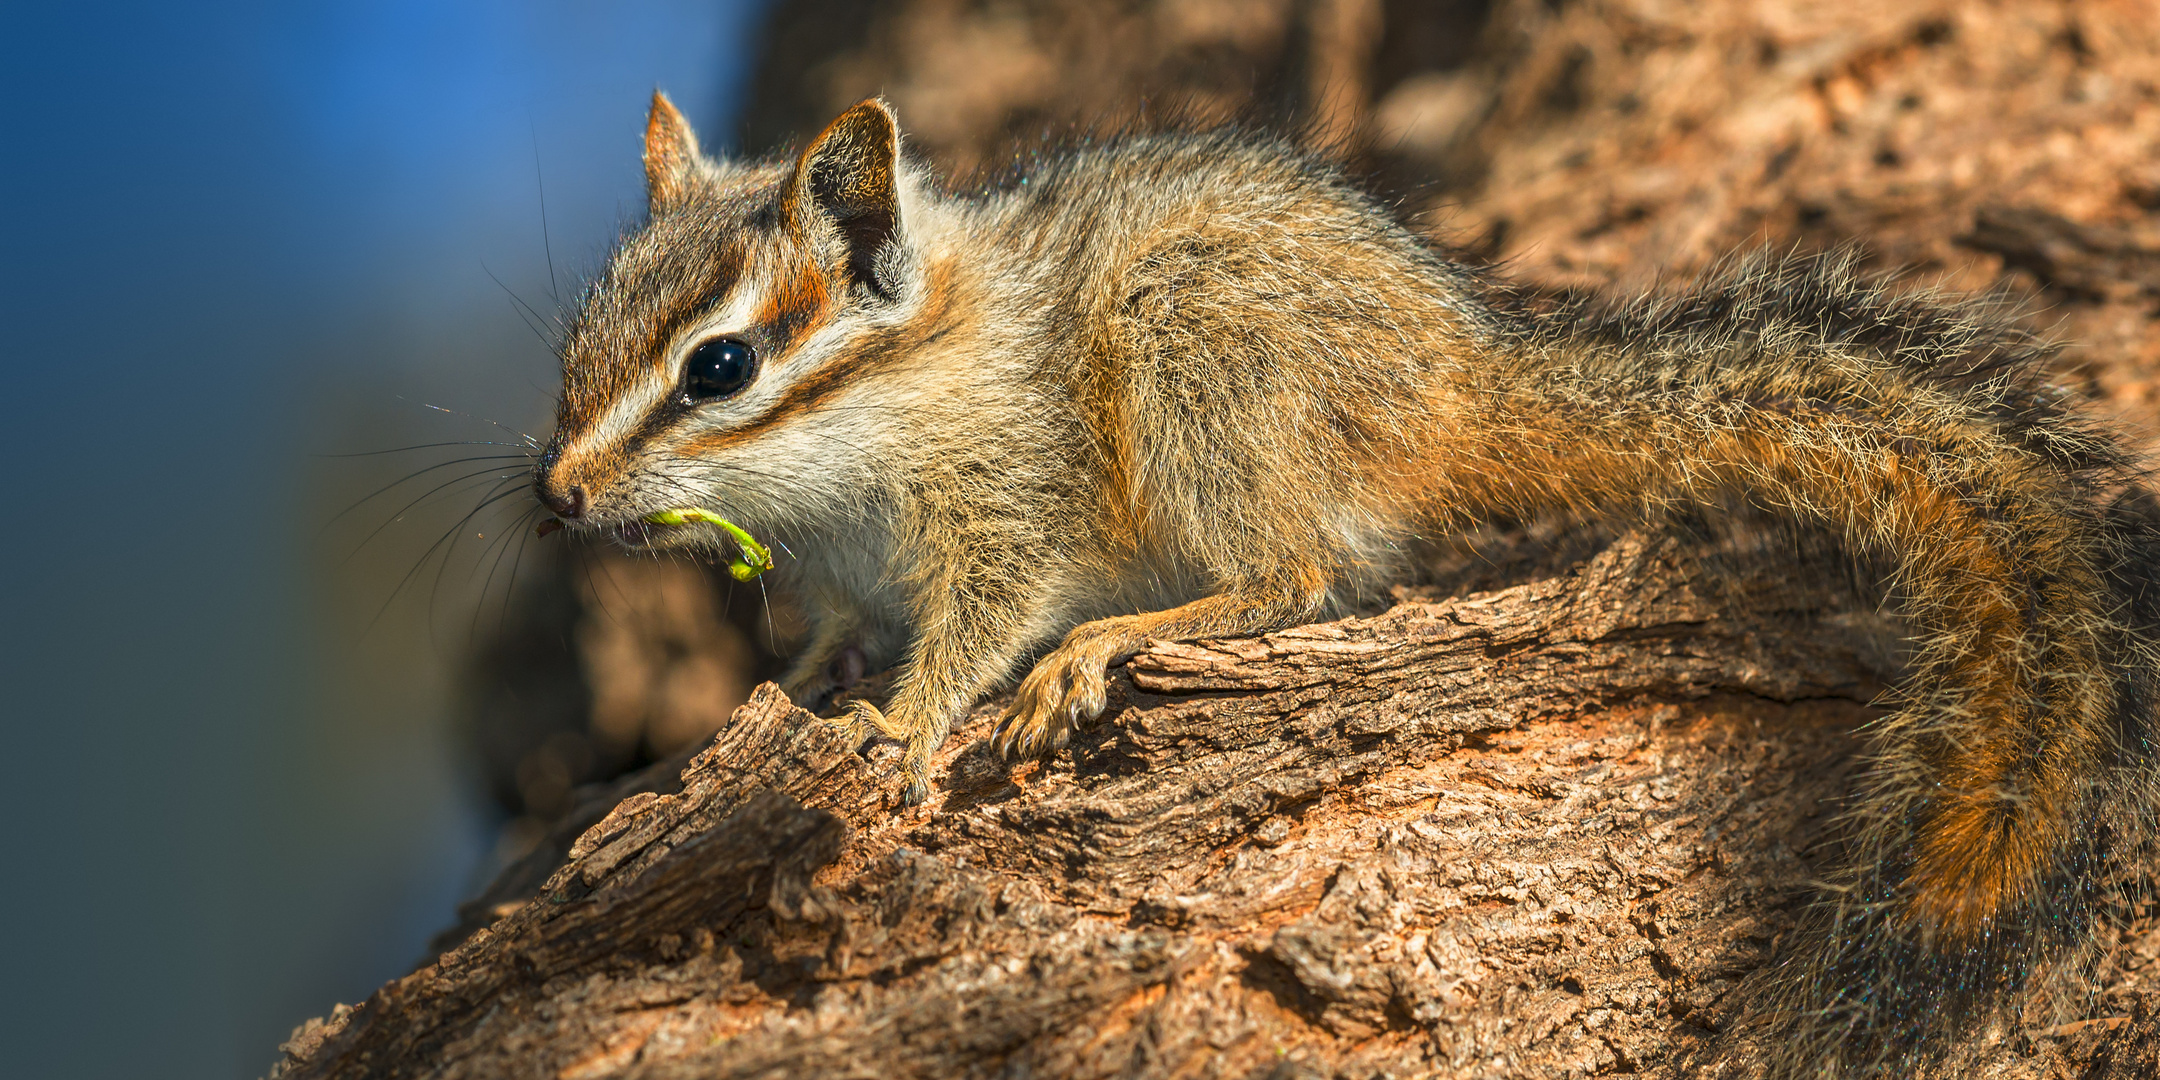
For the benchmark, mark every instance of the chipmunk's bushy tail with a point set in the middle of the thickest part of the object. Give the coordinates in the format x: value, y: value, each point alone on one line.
x: 2015, y: 767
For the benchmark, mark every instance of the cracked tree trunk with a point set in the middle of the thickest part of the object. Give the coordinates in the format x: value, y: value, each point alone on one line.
x: 1544, y: 830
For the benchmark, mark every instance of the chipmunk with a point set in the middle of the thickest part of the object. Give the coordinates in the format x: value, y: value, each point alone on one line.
x: 1182, y: 386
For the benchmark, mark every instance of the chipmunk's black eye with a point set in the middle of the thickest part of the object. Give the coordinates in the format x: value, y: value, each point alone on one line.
x: 718, y: 368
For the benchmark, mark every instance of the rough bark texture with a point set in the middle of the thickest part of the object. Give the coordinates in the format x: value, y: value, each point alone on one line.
x: 1539, y: 831
x: 1541, y: 818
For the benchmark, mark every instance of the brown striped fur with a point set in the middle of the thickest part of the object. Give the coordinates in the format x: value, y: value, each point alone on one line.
x: 1187, y: 386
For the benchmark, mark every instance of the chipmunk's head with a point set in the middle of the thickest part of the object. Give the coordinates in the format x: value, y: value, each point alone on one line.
x: 714, y: 364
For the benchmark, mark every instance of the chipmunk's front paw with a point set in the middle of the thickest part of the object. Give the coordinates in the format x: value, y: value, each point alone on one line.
x: 862, y: 721
x: 1066, y: 687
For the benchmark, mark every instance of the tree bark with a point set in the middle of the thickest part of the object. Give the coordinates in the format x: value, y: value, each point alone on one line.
x: 1543, y: 830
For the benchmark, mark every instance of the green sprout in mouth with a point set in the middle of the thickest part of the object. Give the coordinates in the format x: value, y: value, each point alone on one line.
x: 755, y: 559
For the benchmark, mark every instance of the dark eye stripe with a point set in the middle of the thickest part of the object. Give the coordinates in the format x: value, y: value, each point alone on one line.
x: 792, y: 308
x: 711, y: 287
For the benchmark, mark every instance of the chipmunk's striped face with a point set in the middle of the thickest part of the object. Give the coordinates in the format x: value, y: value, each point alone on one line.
x: 705, y: 367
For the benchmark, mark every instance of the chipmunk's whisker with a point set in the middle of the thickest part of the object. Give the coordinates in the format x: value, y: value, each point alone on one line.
x: 423, y: 497
x: 532, y: 319
x: 505, y: 428
x: 456, y: 534
x: 447, y: 537
x: 511, y: 535
x: 424, y: 446
x: 414, y: 475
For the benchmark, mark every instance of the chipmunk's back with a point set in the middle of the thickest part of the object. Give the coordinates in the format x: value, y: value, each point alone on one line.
x: 1255, y: 344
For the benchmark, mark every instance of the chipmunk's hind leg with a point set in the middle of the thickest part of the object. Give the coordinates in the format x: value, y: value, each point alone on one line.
x: 1070, y: 684
x: 825, y: 664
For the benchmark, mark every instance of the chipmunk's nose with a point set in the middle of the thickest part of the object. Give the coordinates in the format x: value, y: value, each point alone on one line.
x: 568, y: 505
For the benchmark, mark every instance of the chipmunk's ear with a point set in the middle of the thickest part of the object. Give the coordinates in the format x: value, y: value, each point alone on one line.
x: 850, y: 177
x: 671, y: 154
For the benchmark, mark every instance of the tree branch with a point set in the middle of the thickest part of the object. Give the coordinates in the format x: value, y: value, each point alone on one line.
x: 1392, y: 844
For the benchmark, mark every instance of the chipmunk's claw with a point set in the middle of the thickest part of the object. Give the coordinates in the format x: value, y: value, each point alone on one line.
x: 916, y: 793
x: 860, y: 722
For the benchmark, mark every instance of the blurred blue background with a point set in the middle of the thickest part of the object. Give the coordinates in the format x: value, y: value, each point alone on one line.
x: 236, y: 237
